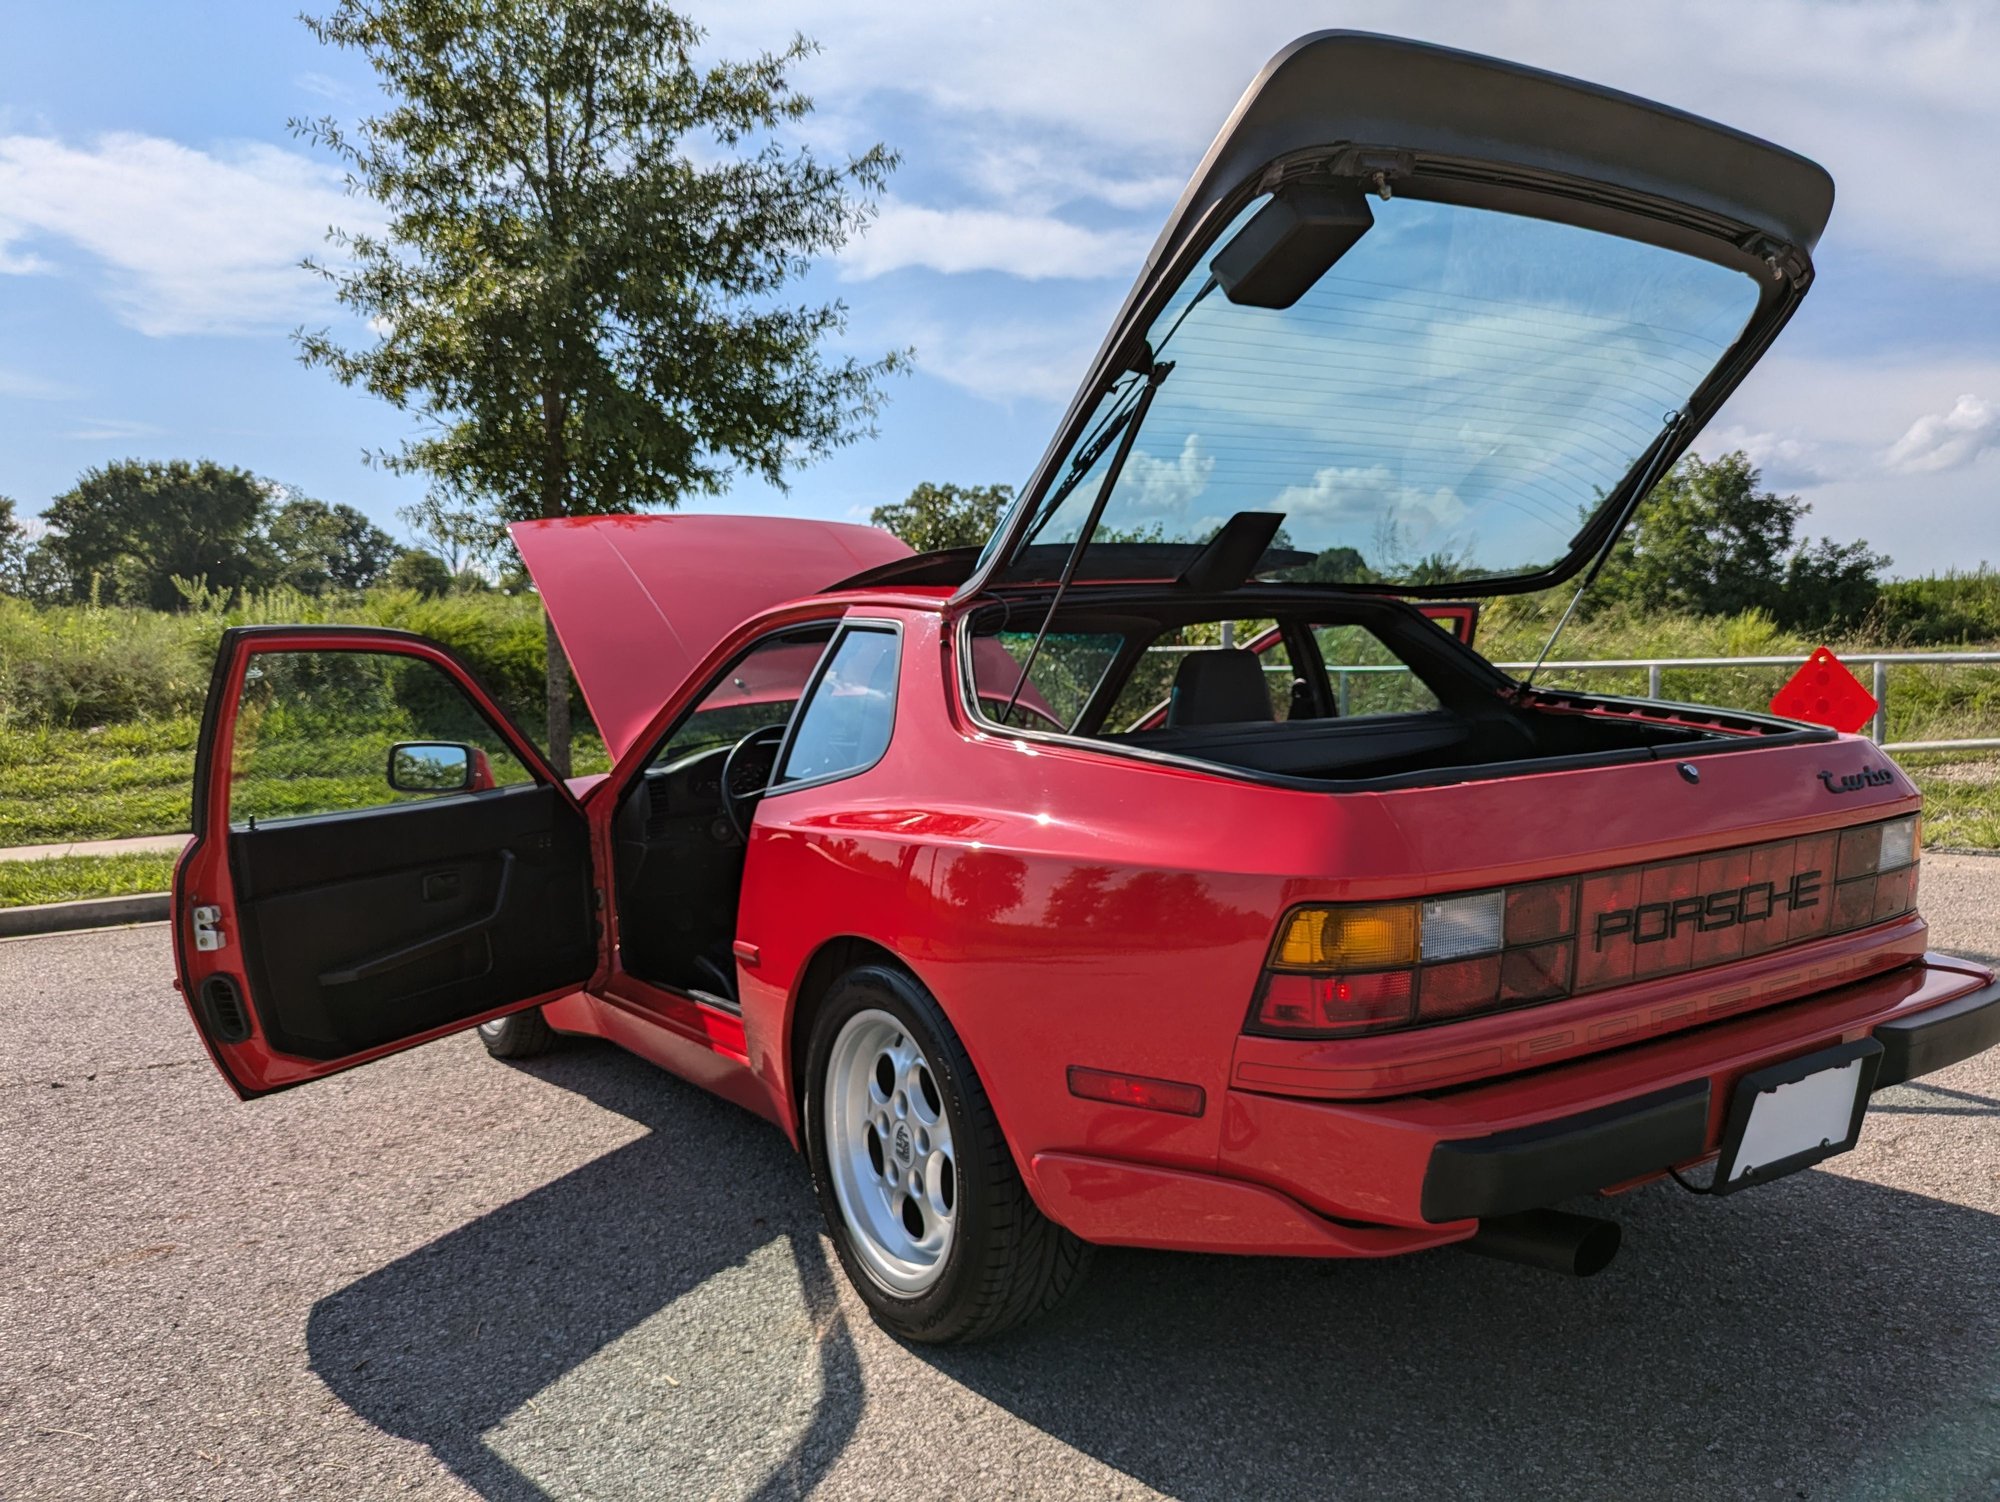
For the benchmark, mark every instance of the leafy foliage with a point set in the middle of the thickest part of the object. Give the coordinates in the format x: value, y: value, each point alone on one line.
x: 935, y: 517
x: 1949, y: 608
x: 320, y: 545
x: 142, y: 532
x: 419, y: 571
x: 1709, y: 541
x: 126, y: 530
x: 581, y: 287
x: 13, y: 549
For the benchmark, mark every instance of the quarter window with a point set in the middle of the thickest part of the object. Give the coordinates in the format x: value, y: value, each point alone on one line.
x: 1368, y: 678
x: 845, y: 722
x: 1066, y: 670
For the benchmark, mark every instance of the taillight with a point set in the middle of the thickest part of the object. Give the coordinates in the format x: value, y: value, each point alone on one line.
x: 1369, y: 968
x: 1337, y: 970
x: 1878, y: 873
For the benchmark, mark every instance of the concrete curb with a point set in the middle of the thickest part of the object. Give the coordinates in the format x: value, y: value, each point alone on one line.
x: 96, y: 912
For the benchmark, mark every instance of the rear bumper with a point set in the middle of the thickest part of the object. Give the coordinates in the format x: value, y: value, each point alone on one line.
x: 1326, y: 1178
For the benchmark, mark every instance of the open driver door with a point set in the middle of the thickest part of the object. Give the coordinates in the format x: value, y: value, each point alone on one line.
x: 379, y: 858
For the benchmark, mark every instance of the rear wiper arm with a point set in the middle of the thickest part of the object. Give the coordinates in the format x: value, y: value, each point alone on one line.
x: 1128, y: 427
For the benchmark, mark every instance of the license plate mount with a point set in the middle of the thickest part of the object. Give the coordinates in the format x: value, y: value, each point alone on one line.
x: 1795, y: 1114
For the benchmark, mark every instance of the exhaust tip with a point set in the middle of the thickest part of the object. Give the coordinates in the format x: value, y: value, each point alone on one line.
x: 1554, y: 1240
x: 1596, y: 1247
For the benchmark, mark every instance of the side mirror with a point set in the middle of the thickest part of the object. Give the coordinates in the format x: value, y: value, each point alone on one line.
x: 431, y: 766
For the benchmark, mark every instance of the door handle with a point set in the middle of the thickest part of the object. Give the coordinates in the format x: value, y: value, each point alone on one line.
x: 395, y: 959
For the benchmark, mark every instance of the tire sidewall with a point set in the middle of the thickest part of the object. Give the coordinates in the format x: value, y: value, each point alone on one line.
x: 932, y: 1314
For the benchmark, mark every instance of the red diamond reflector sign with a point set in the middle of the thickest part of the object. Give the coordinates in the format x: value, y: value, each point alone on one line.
x: 1824, y: 692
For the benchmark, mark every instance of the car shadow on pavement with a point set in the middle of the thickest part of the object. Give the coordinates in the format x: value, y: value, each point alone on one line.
x: 663, y: 1321
x: 535, y: 1347
x: 1819, y: 1337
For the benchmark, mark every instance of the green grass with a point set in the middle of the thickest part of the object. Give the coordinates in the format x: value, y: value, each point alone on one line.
x: 62, y: 785
x: 69, y: 878
x: 1961, y: 799
x: 59, y: 785
x: 132, y: 777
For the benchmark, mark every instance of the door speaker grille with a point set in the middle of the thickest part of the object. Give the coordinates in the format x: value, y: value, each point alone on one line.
x: 223, y: 1005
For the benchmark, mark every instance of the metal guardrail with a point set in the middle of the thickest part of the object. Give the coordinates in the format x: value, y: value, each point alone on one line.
x: 1655, y: 667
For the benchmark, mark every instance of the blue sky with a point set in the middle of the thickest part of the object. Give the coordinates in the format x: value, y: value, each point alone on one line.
x: 153, y: 207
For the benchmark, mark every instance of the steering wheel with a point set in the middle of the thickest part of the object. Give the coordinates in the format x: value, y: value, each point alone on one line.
x: 735, y: 804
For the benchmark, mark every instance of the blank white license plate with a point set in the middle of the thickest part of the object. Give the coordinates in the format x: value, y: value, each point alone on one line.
x: 1793, y: 1115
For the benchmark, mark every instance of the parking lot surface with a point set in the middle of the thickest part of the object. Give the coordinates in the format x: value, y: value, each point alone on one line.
x: 443, y: 1276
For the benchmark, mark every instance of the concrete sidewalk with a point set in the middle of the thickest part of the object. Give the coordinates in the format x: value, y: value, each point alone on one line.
x: 136, y: 845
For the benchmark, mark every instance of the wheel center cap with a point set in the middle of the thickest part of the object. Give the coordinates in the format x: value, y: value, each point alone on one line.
x: 903, y: 1141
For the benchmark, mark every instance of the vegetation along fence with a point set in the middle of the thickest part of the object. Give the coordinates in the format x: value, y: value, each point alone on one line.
x: 1864, y: 664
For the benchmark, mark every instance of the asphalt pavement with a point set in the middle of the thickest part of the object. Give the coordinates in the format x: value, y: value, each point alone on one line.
x: 444, y: 1276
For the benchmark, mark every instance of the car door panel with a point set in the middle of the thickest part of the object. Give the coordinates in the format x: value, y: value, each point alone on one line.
x: 350, y: 954
x: 365, y: 915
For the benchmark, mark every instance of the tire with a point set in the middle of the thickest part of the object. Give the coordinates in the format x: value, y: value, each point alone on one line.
x: 519, y: 1036
x: 974, y: 1256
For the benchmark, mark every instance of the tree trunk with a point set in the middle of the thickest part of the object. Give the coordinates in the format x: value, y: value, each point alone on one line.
x: 555, y: 496
x: 558, y: 677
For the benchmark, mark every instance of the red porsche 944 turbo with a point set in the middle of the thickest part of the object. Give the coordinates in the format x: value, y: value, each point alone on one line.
x: 1162, y: 874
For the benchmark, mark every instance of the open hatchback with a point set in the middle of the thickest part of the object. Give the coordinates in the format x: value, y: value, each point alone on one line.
x: 1161, y: 874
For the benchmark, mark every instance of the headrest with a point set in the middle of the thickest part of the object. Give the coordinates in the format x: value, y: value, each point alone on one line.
x: 1219, y: 687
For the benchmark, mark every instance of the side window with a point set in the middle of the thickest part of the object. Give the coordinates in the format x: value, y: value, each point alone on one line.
x: 326, y: 731
x: 1367, y: 678
x: 1065, y: 673
x: 844, y: 726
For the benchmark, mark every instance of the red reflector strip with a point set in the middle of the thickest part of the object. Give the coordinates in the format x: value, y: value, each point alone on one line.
x: 1334, y: 1003
x: 1137, y: 1090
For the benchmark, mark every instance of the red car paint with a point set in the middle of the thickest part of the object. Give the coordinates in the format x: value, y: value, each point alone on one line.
x: 1077, y: 904
x: 1017, y: 879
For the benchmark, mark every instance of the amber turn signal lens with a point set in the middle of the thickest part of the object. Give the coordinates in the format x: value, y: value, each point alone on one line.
x: 1376, y: 937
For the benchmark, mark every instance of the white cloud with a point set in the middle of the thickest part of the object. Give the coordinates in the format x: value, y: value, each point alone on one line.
x: 1005, y: 361
x: 324, y: 87
x: 1946, y: 440
x: 1042, y: 176
x: 1844, y: 418
x: 186, y: 241
x: 111, y: 430
x: 1033, y: 246
x: 1344, y: 497
x: 22, y: 384
x: 1873, y: 91
x: 1786, y: 459
x: 1152, y: 487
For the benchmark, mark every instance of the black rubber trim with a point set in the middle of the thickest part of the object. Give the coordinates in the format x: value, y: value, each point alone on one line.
x: 1937, y: 1036
x: 1534, y: 1166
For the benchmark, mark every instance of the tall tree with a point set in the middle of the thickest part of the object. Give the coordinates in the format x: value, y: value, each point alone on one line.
x: 934, y: 517
x: 320, y: 545
x: 1710, y: 540
x: 13, y: 550
x: 126, y: 530
x: 582, y: 287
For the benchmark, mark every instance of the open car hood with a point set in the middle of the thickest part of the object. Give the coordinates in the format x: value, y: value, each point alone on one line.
x: 1449, y: 316
x: 639, y: 601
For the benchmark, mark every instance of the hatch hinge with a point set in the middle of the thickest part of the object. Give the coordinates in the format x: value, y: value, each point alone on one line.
x: 1786, y: 263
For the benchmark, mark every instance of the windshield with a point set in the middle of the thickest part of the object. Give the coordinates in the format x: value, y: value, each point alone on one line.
x: 1451, y: 400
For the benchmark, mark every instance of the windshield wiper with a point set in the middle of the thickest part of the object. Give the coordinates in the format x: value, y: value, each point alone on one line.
x: 1125, y: 430
x: 1130, y: 414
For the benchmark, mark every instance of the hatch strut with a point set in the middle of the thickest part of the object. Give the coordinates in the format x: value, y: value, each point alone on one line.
x: 1642, y: 487
x: 1156, y: 372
